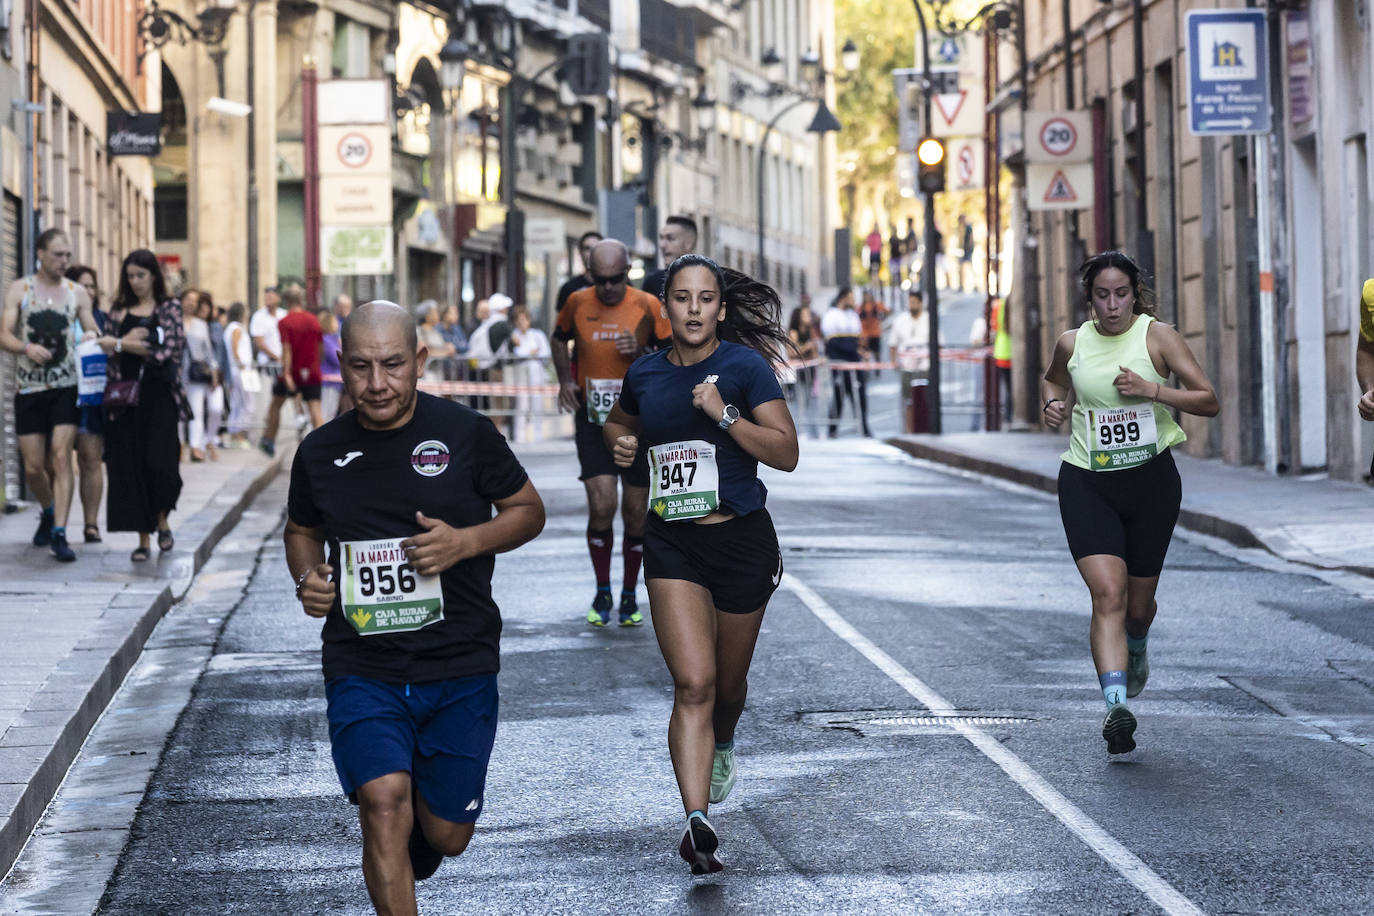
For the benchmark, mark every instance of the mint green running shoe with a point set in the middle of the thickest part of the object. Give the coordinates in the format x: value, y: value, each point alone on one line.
x: 723, y: 775
x: 1137, y: 672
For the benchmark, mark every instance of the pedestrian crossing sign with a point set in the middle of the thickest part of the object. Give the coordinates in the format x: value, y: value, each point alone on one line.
x: 1059, y: 186
x: 1060, y: 191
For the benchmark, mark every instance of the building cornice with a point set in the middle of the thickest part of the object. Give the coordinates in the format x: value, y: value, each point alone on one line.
x: 66, y: 28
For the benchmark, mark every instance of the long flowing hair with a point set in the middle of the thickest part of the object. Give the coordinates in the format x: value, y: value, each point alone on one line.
x: 1144, y: 296
x: 753, y: 311
x: 141, y: 257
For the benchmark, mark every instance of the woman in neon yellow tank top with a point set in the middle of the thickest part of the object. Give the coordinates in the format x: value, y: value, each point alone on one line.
x: 1119, y: 491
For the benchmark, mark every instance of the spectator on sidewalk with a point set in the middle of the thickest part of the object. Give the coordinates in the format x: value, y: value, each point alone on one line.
x: 302, y: 342
x: 41, y: 314
x: 805, y: 335
x: 481, y: 311
x: 452, y: 329
x: 968, y: 280
x: 677, y: 237
x: 910, y: 345
x: 486, y: 345
x: 262, y: 328
x: 871, y: 315
x: 841, y: 328
x: 441, y: 352
x: 90, y: 429
x: 141, y: 446
x: 582, y: 279
x: 530, y: 347
x: 896, y: 252
x: 331, y: 373
x: 873, y: 246
x: 242, y: 379
x: 342, y: 307
x: 199, y: 376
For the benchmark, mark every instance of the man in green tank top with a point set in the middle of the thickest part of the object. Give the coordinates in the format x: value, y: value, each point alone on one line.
x: 39, y: 325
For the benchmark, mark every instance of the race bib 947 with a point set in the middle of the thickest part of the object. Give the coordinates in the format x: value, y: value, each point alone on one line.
x: 602, y: 393
x: 1122, y: 437
x: 684, y: 482
x: 382, y: 593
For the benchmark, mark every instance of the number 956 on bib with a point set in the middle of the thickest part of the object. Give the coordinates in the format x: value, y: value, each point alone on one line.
x: 382, y: 593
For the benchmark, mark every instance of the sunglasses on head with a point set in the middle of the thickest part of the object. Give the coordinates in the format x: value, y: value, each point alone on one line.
x: 612, y: 280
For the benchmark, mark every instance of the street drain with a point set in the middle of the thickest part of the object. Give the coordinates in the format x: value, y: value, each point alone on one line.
x: 896, y: 721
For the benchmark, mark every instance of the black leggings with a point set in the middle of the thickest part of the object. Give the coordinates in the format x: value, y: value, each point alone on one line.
x: 1129, y: 514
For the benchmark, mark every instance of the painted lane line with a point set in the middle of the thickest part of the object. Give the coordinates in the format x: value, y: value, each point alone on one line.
x: 1126, y: 863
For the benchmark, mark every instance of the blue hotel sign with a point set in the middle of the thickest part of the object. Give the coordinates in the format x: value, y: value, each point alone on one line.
x: 1228, y: 72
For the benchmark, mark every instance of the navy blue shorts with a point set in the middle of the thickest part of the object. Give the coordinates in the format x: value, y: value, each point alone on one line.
x: 92, y: 420
x: 441, y: 733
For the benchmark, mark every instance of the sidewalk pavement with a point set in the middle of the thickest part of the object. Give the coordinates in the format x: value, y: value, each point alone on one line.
x: 69, y: 632
x: 1315, y: 522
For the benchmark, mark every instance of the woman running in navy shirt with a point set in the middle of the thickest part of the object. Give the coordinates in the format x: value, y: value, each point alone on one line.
x: 708, y: 410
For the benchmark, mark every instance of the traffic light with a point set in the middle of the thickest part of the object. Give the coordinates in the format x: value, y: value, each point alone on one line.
x: 930, y: 173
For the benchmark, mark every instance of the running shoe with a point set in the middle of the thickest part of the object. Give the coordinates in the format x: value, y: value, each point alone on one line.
x: 600, y: 613
x: 722, y: 775
x: 60, y: 548
x: 269, y: 448
x: 699, y: 845
x: 424, y: 858
x: 1137, y: 672
x: 629, y: 611
x: 43, y: 536
x: 1118, y: 728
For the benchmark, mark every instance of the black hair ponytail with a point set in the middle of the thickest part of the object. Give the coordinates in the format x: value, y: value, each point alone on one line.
x: 753, y: 311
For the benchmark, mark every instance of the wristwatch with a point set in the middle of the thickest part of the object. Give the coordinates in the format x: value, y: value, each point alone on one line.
x: 729, y: 417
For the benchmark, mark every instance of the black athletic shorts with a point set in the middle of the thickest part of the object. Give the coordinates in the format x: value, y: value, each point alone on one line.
x: 1128, y: 514
x: 309, y: 392
x: 40, y: 411
x: 596, y: 460
x: 737, y: 561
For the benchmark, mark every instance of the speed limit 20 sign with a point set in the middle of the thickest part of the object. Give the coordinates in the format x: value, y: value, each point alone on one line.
x: 1059, y: 136
x: 355, y: 150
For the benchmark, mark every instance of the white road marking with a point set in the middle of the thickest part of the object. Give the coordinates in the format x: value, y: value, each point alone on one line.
x: 1126, y: 863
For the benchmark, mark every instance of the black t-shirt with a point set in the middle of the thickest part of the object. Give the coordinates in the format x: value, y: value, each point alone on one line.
x: 572, y: 285
x: 653, y: 282
x: 448, y: 462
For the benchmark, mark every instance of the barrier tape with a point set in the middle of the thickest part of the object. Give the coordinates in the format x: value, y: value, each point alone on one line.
x: 464, y: 388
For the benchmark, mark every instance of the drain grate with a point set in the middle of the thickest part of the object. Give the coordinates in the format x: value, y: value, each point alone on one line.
x: 901, y: 720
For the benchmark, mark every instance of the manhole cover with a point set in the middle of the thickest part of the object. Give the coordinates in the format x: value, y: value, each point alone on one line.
x: 895, y: 721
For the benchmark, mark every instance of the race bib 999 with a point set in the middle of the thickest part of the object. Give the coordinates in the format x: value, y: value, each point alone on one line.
x: 382, y: 593
x: 684, y: 482
x: 1122, y: 437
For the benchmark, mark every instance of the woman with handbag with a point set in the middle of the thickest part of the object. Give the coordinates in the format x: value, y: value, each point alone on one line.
x: 144, y: 403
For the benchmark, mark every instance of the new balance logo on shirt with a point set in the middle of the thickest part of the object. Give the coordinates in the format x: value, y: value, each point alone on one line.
x: 343, y: 462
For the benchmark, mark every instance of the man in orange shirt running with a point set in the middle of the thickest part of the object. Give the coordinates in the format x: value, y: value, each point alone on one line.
x: 609, y: 325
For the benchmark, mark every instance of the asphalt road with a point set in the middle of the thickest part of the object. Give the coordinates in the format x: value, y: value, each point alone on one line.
x: 910, y: 592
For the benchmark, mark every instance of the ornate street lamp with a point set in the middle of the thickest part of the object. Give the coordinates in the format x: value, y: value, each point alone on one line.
x: 705, y: 106
x: 849, y: 56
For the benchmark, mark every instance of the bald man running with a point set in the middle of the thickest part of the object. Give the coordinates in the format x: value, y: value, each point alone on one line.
x: 400, y: 492
x: 609, y: 326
